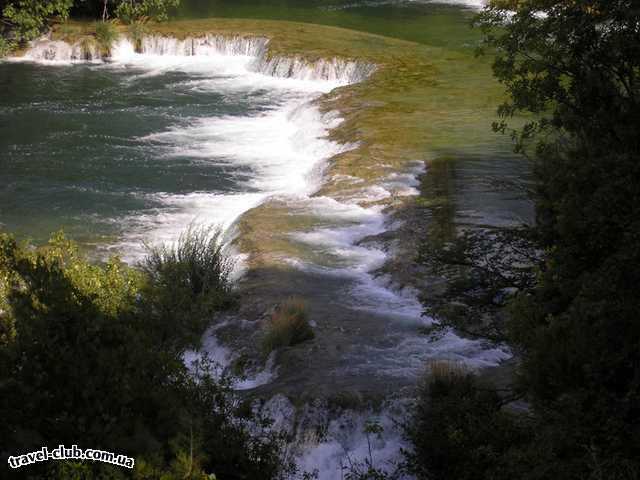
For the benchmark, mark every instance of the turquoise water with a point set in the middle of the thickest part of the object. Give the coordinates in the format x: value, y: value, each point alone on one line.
x: 134, y: 151
x: 73, y: 152
x: 131, y: 152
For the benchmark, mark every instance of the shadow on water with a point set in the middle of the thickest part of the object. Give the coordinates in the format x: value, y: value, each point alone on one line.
x: 474, y: 189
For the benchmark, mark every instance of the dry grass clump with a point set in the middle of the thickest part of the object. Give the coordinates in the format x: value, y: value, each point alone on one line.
x: 288, y: 325
x: 445, y: 370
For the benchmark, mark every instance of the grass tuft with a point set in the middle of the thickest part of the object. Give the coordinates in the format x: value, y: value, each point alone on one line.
x: 197, y: 262
x: 136, y: 32
x: 88, y: 46
x: 106, y: 36
x: 190, y: 280
x: 288, y: 325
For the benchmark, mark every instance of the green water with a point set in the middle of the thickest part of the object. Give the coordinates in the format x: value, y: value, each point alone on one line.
x: 74, y: 140
x: 484, y: 177
x: 438, y: 24
x: 110, y: 151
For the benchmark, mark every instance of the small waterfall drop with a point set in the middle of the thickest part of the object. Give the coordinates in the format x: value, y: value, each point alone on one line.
x: 336, y: 70
x: 46, y: 50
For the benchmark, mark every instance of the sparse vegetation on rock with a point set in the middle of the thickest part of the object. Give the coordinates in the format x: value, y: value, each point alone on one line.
x: 287, y: 326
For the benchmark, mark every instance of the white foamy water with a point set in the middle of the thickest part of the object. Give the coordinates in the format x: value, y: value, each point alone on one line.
x: 475, y: 4
x: 283, y: 148
x: 331, y: 443
x: 347, y: 250
x: 221, y: 358
x: 165, y: 53
x: 346, y: 446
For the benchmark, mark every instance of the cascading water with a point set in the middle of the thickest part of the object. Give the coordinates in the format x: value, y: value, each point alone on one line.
x: 283, y: 146
x: 337, y: 71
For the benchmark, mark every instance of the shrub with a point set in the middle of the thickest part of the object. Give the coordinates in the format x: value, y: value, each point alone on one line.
x: 577, y: 331
x: 366, y: 468
x: 236, y: 442
x: 8, y: 280
x: 188, y: 282
x: 28, y: 19
x: 459, y: 430
x: 106, y: 36
x: 288, y: 325
x: 78, y: 358
x: 85, y: 363
x: 131, y: 11
x: 6, y: 47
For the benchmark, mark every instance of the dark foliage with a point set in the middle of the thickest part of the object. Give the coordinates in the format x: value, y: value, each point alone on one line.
x: 24, y: 20
x: 459, y: 430
x: 86, y: 361
x: 575, y: 66
x: 578, y: 68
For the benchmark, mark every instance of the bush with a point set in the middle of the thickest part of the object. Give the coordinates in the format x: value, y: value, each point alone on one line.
x: 366, y: 468
x: 6, y: 47
x: 577, y: 331
x: 106, y: 36
x: 459, y: 430
x: 28, y: 19
x: 132, y: 11
x: 188, y: 282
x: 84, y: 361
x: 80, y: 361
x: 287, y: 326
x: 236, y: 443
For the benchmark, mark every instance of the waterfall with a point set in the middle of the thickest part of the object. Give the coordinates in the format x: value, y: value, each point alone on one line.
x: 207, y: 45
x: 48, y: 50
x: 340, y: 71
x: 334, y: 70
